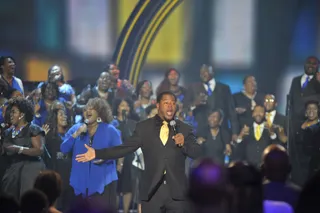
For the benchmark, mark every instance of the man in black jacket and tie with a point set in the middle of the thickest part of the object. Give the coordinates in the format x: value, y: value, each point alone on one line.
x: 254, y: 139
x: 164, y: 183
x: 209, y: 94
x: 275, y: 119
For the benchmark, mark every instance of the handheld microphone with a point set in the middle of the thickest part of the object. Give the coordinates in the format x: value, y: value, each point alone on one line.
x: 86, y: 121
x: 173, y: 124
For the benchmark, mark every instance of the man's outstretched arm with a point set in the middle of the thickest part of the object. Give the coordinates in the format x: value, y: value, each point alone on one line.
x: 131, y: 145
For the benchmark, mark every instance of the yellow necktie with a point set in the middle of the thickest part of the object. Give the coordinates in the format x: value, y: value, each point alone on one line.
x: 164, y: 132
x: 257, y: 133
x: 164, y: 135
x: 269, y: 119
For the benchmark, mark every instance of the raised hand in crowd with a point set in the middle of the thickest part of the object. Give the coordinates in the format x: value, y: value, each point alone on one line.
x: 46, y: 128
x: 201, y: 99
x: 137, y: 104
x: 282, y: 135
x: 68, y: 104
x: 270, y: 128
x: 200, y: 140
x: 228, y: 150
x: 240, y: 110
x: 244, y: 132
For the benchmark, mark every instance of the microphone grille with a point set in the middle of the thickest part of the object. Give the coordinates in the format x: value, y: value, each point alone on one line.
x: 86, y: 121
x: 172, y: 123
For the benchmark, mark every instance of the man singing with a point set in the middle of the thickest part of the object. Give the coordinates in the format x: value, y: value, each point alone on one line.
x: 163, y: 184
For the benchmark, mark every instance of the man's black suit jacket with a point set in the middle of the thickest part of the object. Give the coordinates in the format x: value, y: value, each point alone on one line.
x: 299, y: 96
x: 281, y: 120
x: 158, y: 158
x: 221, y: 98
x: 252, y: 149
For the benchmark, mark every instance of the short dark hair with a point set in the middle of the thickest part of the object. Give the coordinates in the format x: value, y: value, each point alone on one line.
x: 276, y: 165
x: 12, y: 91
x: 103, y: 109
x: 107, y: 67
x: 33, y: 201
x: 312, y: 56
x: 256, y: 106
x: 50, y: 183
x: 246, y: 78
x: 315, y: 102
x: 24, y: 106
x: 160, y: 96
x: 220, y: 111
x: 8, y: 204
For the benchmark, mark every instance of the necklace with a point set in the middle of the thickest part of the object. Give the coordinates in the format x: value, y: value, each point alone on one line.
x: 214, y: 134
x: 16, y: 132
x: 102, y: 94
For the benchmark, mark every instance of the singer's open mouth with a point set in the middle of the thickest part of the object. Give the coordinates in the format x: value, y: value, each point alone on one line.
x: 169, y: 113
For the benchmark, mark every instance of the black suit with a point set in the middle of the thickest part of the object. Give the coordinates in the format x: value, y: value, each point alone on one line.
x: 311, y: 141
x: 221, y: 98
x: 159, y: 158
x: 252, y: 149
x: 281, y: 120
x: 298, y: 98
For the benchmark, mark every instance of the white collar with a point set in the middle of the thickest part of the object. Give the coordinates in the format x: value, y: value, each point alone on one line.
x: 255, y: 125
x: 305, y: 76
x: 272, y: 113
x: 211, y: 82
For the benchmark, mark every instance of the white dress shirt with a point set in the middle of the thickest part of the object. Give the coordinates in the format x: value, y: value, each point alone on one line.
x: 304, y: 78
x: 212, y: 84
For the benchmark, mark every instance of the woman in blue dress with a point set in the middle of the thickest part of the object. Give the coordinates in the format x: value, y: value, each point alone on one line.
x: 96, y: 178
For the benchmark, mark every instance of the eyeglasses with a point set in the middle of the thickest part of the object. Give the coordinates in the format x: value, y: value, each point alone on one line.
x: 269, y: 100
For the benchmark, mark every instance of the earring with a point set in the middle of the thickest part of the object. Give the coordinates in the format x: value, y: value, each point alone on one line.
x: 99, y: 120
